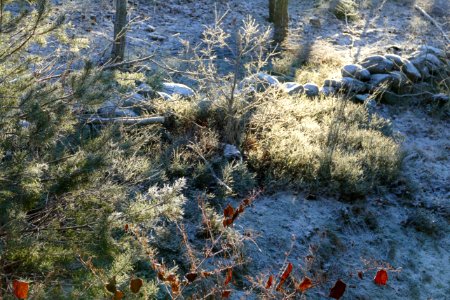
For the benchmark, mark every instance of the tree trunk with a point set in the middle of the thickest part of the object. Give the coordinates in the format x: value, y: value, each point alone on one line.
x: 271, y: 10
x: 120, y: 23
x: 280, y: 20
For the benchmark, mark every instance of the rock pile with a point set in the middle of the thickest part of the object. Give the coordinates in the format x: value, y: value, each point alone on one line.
x: 389, y: 77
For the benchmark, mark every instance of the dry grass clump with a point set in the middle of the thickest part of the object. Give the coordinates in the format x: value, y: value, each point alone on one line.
x: 327, y: 142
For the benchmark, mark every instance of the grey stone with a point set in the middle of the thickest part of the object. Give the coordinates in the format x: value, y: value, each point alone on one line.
x: 334, y: 83
x: 292, y: 88
x: 107, y: 109
x: 124, y: 112
x: 157, y: 37
x: 182, y: 90
x: 145, y: 90
x: 399, y: 79
x: 311, y: 89
x: 266, y: 78
x: 378, y: 81
x: 24, y: 124
x: 377, y: 64
x: 134, y: 100
x: 433, y: 50
x: 315, y: 21
x: 362, y: 97
x: 427, y: 60
x: 231, y: 152
x: 405, y: 66
x: 356, y: 71
x: 150, y: 28
x: 328, y: 91
x: 441, y: 98
x: 164, y: 96
x: 353, y: 85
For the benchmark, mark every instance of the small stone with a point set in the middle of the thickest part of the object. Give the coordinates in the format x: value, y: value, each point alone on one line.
x: 356, y: 71
x: 107, y: 109
x: 399, y: 79
x: 149, y: 28
x: 405, y: 66
x: 311, y: 89
x: 428, y: 60
x: 178, y: 89
x: 145, y: 90
x: 231, y: 152
x: 441, y: 98
x: 315, y: 21
x: 362, y: 97
x: 135, y: 99
x: 328, y: 91
x: 24, y: 124
x: 433, y: 50
x: 271, y: 80
x: 377, y: 64
x: 353, y: 85
x: 157, y: 37
x: 292, y: 88
x: 124, y: 112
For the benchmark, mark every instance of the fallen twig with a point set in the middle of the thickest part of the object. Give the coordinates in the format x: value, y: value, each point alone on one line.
x: 126, y: 120
x: 424, y: 13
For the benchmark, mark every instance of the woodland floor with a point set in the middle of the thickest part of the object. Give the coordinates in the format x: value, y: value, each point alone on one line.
x: 342, y: 235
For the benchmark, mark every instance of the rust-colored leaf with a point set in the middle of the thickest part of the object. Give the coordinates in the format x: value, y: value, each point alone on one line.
x: 284, y: 276
x: 381, y: 277
x: 228, y: 211
x: 226, y: 294
x: 136, y: 284
x: 191, y: 276
x: 111, y: 285
x: 229, y: 276
x: 360, y: 275
x: 175, y: 285
x: 227, y: 222
x: 305, y: 284
x: 338, y: 289
x: 126, y: 227
x: 21, y: 289
x: 206, y: 274
x: 269, y: 282
x: 118, y: 295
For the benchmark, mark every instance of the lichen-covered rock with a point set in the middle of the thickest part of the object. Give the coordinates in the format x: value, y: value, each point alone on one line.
x: 311, y: 89
x: 178, y: 89
x: 110, y: 109
x: 399, y: 79
x: 292, y: 88
x: 266, y: 78
x: 377, y: 64
x: 355, y: 71
x: 231, y: 152
x: 257, y: 82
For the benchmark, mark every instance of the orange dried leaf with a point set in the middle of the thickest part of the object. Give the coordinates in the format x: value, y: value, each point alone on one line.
x: 227, y: 222
x: 136, y: 284
x: 229, y: 276
x: 381, y: 277
x: 226, y: 294
x: 118, y: 295
x: 126, y: 227
x: 228, y: 211
x: 338, y: 289
x: 269, y: 282
x: 305, y: 284
x: 285, y: 275
x: 191, y: 276
x: 21, y: 289
x: 206, y: 274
